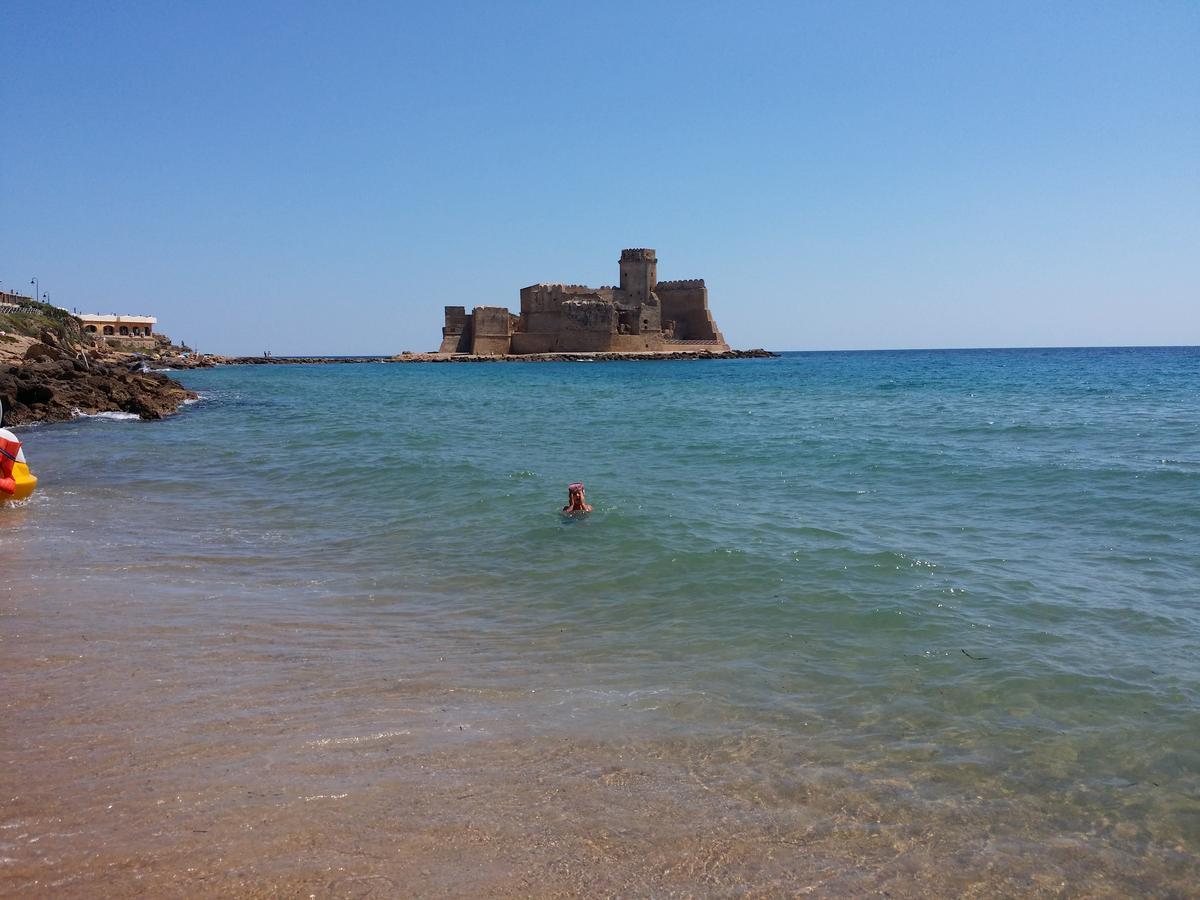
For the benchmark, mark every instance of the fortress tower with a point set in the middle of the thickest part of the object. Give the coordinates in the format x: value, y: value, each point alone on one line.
x: 639, y: 274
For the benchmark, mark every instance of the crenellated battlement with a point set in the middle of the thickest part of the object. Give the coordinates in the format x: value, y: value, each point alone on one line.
x: 679, y: 284
x: 638, y: 253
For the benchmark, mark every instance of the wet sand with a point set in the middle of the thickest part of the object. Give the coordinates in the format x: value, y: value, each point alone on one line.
x: 151, y: 749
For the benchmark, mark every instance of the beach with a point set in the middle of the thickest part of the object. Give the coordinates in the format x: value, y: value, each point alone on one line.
x: 840, y: 624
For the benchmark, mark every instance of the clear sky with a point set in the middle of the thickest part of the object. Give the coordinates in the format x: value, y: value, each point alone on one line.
x: 323, y: 178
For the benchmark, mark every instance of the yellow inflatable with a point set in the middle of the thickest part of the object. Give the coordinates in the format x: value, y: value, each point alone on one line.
x: 24, y: 483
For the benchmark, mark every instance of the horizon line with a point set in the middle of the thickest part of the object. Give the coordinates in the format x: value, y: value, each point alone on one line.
x: 776, y: 350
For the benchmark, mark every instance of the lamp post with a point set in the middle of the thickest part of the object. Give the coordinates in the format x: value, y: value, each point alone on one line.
x: 37, y: 288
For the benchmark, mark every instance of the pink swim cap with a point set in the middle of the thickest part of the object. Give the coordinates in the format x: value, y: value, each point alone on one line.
x: 575, y: 486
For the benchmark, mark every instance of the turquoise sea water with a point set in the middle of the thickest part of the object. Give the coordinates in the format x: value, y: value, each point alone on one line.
x: 960, y: 584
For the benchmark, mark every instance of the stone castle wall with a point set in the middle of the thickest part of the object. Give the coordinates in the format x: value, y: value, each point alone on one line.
x: 456, y: 333
x: 491, y: 331
x: 685, y: 303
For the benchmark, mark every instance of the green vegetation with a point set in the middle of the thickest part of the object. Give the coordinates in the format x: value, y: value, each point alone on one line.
x: 35, y: 317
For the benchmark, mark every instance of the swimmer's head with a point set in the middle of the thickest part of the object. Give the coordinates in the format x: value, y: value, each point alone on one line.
x: 575, y: 487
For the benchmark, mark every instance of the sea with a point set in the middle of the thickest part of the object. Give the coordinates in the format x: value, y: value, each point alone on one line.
x: 901, y: 623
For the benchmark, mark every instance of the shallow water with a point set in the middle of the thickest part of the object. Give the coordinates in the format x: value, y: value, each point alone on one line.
x: 920, y: 621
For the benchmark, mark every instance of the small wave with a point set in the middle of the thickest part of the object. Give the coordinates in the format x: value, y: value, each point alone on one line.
x: 814, y: 531
x: 357, y: 739
x: 115, y: 416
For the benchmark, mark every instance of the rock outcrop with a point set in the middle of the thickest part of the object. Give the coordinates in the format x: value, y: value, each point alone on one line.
x: 53, y: 385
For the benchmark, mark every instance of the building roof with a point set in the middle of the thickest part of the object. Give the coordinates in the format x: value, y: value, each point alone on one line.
x: 124, y: 320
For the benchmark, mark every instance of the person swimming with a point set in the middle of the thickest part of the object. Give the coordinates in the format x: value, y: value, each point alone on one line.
x: 575, y: 500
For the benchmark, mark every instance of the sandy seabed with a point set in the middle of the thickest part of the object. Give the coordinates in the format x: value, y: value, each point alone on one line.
x: 148, y: 756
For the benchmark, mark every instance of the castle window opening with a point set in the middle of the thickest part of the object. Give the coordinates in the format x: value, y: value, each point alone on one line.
x: 91, y: 329
x: 108, y: 329
x: 125, y: 331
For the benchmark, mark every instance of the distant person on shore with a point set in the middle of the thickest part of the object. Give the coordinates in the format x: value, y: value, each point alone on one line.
x: 575, y: 500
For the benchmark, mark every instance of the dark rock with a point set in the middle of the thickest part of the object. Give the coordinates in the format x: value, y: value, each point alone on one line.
x: 42, y: 366
x: 44, y: 351
x: 31, y: 394
x: 53, y: 390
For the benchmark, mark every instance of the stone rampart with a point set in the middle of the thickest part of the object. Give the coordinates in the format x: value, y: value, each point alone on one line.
x: 685, y: 303
x: 542, y: 298
x: 585, y: 341
x: 524, y: 342
x: 456, y: 333
x: 589, y: 315
x: 492, y: 330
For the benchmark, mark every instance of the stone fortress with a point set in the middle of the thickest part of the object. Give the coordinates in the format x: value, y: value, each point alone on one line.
x: 641, y: 315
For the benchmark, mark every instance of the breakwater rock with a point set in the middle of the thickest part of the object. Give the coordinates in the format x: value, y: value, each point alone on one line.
x: 295, y: 360
x: 408, y: 357
x: 49, y: 386
x: 590, y: 357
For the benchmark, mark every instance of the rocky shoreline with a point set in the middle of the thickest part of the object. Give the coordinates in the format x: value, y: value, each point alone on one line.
x: 57, y: 390
x: 56, y: 379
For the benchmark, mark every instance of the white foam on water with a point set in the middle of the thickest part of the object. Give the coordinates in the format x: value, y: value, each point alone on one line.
x: 357, y: 739
x: 115, y: 416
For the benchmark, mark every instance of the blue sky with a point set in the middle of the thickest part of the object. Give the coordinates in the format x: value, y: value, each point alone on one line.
x: 323, y: 178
